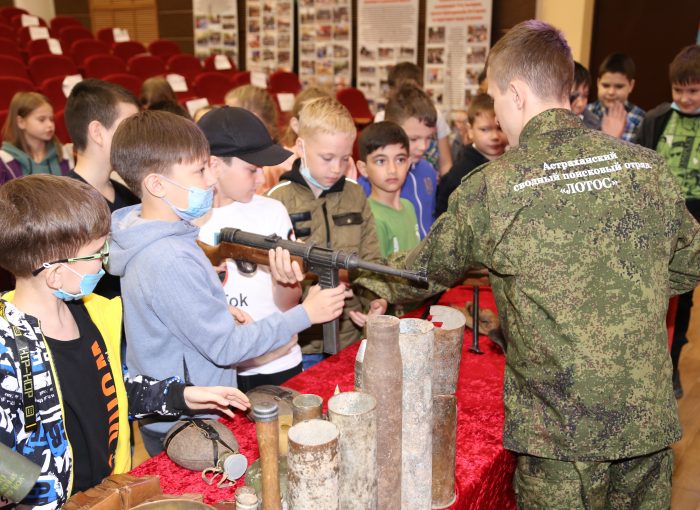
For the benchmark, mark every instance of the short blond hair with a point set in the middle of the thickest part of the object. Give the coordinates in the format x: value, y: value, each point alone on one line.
x: 325, y: 115
x: 538, y: 54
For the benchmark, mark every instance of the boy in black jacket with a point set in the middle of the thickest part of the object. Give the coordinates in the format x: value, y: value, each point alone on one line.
x: 488, y: 143
x: 673, y: 130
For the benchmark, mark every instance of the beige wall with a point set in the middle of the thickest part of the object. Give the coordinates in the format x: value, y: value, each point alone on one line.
x: 575, y: 19
x: 42, y: 8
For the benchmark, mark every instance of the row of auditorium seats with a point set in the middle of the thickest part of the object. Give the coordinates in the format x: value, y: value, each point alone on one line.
x: 27, y: 64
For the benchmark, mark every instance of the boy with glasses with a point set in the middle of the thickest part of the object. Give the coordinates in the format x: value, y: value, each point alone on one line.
x: 64, y: 402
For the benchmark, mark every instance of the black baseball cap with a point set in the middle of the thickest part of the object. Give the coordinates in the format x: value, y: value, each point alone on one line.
x: 237, y: 132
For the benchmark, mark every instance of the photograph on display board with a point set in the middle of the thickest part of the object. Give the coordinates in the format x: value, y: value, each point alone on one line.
x: 457, y: 39
x: 387, y: 34
x: 215, y: 28
x: 325, y: 35
x: 270, y: 34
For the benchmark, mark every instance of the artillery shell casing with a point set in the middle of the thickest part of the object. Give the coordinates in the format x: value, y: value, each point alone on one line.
x: 416, y: 342
x: 356, y: 418
x: 382, y: 377
x: 313, y: 466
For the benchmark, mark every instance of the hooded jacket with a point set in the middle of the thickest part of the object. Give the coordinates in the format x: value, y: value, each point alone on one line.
x: 48, y: 445
x: 176, y: 316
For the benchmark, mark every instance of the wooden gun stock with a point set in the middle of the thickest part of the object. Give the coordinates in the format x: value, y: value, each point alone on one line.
x: 222, y: 251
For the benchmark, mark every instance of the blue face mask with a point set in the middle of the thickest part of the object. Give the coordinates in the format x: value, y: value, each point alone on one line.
x: 88, y: 282
x: 306, y: 172
x: 199, y: 201
x: 678, y: 109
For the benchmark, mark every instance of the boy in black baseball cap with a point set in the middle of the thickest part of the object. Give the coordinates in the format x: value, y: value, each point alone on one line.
x: 240, y: 145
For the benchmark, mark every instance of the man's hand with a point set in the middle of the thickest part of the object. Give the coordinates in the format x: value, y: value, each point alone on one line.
x: 324, y: 305
x: 376, y: 307
x: 614, y: 120
x: 219, y: 398
x: 283, y: 269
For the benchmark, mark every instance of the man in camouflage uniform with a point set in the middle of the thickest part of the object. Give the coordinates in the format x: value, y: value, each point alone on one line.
x: 585, y: 238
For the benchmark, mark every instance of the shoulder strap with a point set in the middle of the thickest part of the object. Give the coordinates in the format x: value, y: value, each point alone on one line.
x: 22, y: 353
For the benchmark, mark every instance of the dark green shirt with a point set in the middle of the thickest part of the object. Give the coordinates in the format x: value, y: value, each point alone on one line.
x: 585, y: 238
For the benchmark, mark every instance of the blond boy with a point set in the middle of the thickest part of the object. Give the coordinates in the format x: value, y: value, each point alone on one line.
x: 324, y: 206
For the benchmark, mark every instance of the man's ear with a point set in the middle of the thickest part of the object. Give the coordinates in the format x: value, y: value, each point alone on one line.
x: 631, y: 85
x: 361, y: 167
x: 95, y: 132
x: 153, y: 185
x: 518, y: 92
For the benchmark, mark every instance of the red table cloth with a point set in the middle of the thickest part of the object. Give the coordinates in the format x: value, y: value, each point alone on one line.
x: 484, y: 469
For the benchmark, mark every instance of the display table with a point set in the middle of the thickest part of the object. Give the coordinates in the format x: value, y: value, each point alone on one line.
x: 484, y: 468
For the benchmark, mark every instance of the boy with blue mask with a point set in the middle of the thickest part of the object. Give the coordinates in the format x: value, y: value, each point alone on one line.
x: 673, y: 130
x: 328, y: 209
x: 64, y: 401
x: 176, y: 316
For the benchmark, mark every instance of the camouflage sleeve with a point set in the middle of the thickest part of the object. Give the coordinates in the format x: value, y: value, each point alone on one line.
x: 684, y: 268
x: 684, y: 232
x: 457, y: 242
x: 150, y: 396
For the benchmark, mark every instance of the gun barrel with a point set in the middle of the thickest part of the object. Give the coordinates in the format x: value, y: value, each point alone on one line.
x: 414, y: 276
x: 317, y: 256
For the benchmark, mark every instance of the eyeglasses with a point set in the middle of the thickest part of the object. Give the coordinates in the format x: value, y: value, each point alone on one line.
x: 103, y: 255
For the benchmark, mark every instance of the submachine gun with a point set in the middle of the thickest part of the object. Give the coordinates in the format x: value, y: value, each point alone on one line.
x: 249, y: 249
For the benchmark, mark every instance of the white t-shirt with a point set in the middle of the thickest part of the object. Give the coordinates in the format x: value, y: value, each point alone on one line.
x: 443, y: 128
x: 253, y: 292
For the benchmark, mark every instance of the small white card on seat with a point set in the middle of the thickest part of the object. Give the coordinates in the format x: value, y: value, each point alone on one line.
x: 69, y: 82
x: 36, y: 33
x: 195, y: 104
x: 120, y: 34
x: 286, y: 101
x: 222, y: 63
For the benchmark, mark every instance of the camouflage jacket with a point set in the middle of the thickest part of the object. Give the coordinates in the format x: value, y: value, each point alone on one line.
x: 341, y: 219
x: 585, y: 238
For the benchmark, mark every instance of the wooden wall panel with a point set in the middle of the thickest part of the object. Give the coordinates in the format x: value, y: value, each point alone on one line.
x: 175, y: 23
x: 138, y: 16
x: 77, y: 8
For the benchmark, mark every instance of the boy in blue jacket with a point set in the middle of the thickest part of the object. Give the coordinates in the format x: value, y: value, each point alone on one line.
x: 176, y: 316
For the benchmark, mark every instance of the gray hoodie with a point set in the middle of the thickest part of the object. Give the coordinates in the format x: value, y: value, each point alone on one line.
x: 175, y: 309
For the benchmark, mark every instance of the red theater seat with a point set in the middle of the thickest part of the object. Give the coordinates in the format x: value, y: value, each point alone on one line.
x: 84, y: 48
x: 145, y: 66
x: 164, y: 49
x: 8, y: 47
x: 61, y: 129
x: 99, y: 66
x: 126, y: 80
x: 42, y: 67
x: 39, y: 47
x: 7, y: 13
x: 283, y: 81
x: 12, y: 66
x: 53, y: 89
x: 213, y: 86
x: 68, y: 35
x: 209, y: 65
x: 9, y: 86
x: 127, y: 49
x: 185, y: 65
x: 241, y: 78
x: 59, y: 22
x: 355, y: 101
